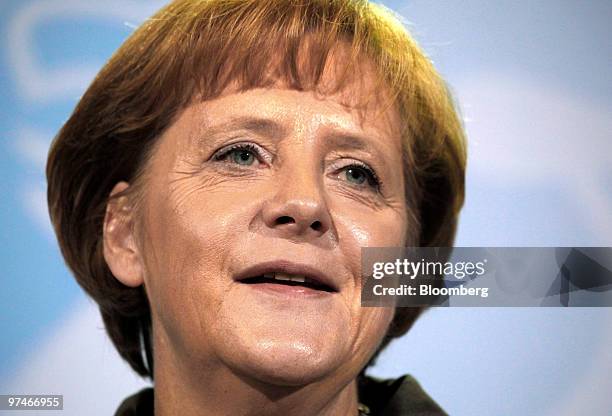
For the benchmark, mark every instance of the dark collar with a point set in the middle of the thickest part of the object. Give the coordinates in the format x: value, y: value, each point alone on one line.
x: 396, y: 397
x: 385, y: 397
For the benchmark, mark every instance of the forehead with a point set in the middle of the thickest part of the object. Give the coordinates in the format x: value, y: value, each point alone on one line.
x: 281, y: 112
x: 347, y: 98
x: 343, y: 76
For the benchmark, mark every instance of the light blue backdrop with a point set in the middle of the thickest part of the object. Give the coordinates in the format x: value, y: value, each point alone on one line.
x: 533, y: 82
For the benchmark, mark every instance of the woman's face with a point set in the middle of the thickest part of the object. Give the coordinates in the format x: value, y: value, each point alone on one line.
x: 276, y: 183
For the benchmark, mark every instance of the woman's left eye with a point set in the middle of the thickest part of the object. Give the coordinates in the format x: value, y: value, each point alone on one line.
x: 243, y: 157
x: 360, y: 174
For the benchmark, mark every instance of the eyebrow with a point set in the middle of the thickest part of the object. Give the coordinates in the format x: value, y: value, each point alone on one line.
x: 262, y: 126
x: 350, y: 141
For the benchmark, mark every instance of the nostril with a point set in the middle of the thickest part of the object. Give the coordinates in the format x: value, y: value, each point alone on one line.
x: 285, y: 220
x: 317, y: 225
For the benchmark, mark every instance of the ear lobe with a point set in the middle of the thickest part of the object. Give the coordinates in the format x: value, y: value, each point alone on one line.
x: 120, y: 250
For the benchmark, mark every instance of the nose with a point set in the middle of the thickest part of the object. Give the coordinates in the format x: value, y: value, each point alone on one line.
x: 298, y: 208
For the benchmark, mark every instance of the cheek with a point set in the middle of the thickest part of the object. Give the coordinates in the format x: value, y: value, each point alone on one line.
x: 358, y: 229
x: 378, y: 224
x: 186, y: 246
x: 376, y: 230
x: 194, y: 224
x: 386, y: 228
x: 375, y: 322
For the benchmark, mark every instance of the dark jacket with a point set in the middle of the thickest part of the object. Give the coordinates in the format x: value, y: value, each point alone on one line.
x: 393, y: 397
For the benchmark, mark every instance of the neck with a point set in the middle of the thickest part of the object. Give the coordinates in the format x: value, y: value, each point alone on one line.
x: 213, y: 389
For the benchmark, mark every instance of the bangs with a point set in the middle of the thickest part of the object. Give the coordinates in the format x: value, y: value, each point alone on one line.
x: 263, y: 43
x: 194, y: 50
x: 288, y: 53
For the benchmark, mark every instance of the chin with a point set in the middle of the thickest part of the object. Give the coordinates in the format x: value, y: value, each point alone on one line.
x: 287, y: 363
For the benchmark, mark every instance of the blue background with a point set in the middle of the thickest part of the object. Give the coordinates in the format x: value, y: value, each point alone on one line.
x: 533, y: 83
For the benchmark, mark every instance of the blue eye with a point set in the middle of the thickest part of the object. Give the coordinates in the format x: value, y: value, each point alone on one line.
x: 241, y: 154
x: 360, y: 174
x: 356, y: 175
x: 243, y: 157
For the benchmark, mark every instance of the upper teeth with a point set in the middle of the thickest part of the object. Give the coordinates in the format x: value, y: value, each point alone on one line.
x: 285, y: 276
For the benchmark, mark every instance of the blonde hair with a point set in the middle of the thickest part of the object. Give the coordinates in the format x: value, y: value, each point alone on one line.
x: 193, y: 49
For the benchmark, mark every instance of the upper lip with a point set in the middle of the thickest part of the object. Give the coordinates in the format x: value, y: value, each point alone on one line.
x: 289, y: 267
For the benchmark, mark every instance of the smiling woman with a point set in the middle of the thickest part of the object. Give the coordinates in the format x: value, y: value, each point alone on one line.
x: 214, y: 186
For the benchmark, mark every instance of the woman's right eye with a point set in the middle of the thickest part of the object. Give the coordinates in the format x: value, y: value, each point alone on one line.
x: 240, y: 154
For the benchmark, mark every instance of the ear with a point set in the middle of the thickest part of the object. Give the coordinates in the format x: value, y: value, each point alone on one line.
x: 120, y: 250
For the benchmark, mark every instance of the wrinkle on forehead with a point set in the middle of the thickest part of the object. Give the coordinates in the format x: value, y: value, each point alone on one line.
x: 351, y: 80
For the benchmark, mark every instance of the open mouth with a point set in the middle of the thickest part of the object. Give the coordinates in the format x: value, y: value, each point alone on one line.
x: 288, y: 279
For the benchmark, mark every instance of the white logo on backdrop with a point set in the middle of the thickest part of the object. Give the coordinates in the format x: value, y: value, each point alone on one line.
x: 40, y: 85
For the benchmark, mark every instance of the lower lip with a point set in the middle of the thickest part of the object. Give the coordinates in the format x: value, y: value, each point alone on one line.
x: 289, y: 291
